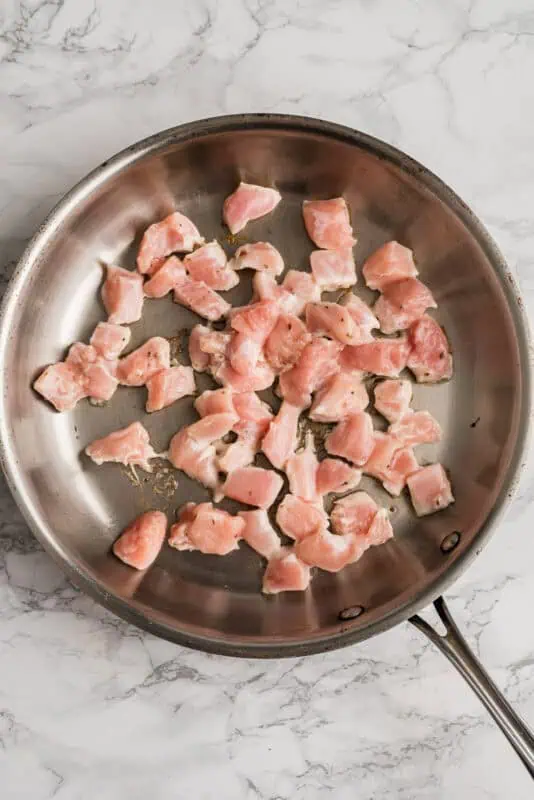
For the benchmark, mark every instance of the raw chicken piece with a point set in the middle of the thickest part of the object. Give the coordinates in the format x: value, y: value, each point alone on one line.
x: 430, y: 359
x: 240, y: 453
x: 217, y: 401
x: 364, y: 319
x: 174, y: 234
x: 333, y: 320
x: 192, y: 449
x: 254, y: 418
x: 61, y: 385
x: 96, y: 373
x: 128, y: 446
x: 250, y: 408
x: 385, y: 357
x: 430, y: 490
x: 210, y: 265
x: 260, y: 256
x: 391, y: 262
x: 352, y: 438
x: 380, y: 531
x: 416, y: 427
x: 303, y: 288
x: 354, y: 514
x: 285, y: 572
x: 166, y: 278
x: 393, y: 398
x: 336, y: 476
x: 259, y: 534
x: 205, y: 528
x: 204, y: 301
x: 261, y: 378
x: 343, y: 394
x: 328, y: 551
x: 301, y: 470
x: 139, y: 544
x: 402, y: 303
x: 281, y: 439
x: 286, y: 342
x: 247, y: 203
x: 298, y: 518
x: 328, y: 223
x: 141, y: 364
x: 253, y: 486
x: 200, y: 360
x: 333, y: 269
x: 391, y: 462
x: 318, y: 362
x: 253, y: 324
x: 122, y: 295
x: 110, y: 339
x: 169, y: 385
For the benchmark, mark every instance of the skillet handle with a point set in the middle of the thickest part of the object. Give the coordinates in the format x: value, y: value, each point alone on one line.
x: 453, y: 645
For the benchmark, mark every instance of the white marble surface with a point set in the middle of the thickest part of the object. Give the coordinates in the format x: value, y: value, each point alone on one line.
x: 90, y: 707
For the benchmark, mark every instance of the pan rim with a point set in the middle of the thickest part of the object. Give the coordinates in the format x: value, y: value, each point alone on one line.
x: 256, y: 647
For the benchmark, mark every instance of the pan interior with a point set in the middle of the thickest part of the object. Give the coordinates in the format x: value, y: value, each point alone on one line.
x: 77, y: 509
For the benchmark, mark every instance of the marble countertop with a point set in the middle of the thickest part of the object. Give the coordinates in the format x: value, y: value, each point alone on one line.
x: 91, y: 707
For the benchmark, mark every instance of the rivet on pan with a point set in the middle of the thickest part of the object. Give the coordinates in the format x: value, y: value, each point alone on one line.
x: 351, y: 613
x: 450, y: 542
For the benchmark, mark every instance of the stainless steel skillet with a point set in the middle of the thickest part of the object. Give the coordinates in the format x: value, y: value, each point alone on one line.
x: 77, y: 509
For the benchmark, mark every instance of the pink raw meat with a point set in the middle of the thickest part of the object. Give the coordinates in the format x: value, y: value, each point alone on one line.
x: 430, y: 490
x: 96, y: 373
x: 253, y: 486
x: 333, y: 320
x: 168, y: 385
x: 401, y: 304
x: 210, y: 265
x: 110, y: 339
x: 192, y: 449
x: 301, y: 470
x: 169, y: 275
x: 416, y: 427
x: 364, y: 319
x: 393, y: 398
x: 281, y: 439
x: 352, y: 438
x: 129, y: 446
x: 207, y: 529
x: 62, y: 385
x: 286, y: 342
x: 285, y: 572
x: 201, y: 299
x: 391, y: 462
x: 139, y: 544
x: 141, y: 364
x: 387, y: 357
x: 318, y: 361
x: 260, y: 256
x: 336, y: 476
x: 430, y: 359
x: 328, y: 551
x: 122, y: 295
x: 174, y: 234
x: 333, y: 269
x: 299, y: 518
x: 328, y: 223
x: 259, y: 534
x: 248, y: 202
x: 391, y: 262
x: 353, y: 515
x: 343, y: 394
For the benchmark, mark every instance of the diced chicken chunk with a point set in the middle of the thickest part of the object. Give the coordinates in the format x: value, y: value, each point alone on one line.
x: 387, y: 357
x: 168, y: 385
x: 416, y: 427
x: 354, y: 514
x: 402, y: 303
x: 174, y: 234
x: 200, y: 360
x: 210, y: 265
x: 301, y: 470
x: 391, y: 262
x: 328, y: 551
x: 201, y: 299
x: 139, y: 544
x: 352, y: 438
x: 333, y: 320
x: 259, y: 256
x: 285, y: 572
x: 141, y: 364
x: 299, y: 518
x: 61, y: 385
x: 328, y: 223
x: 122, y: 295
x: 430, y: 359
x: 207, y: 529
x: 364, y: 319
x: 248, y: 202
x: 342, y: 395
x: 217, y: 401
x: 430, y: 490
x: 281, y: 438
x: 318, y: 361
x: 259, y: 534
x: 391, y: 462
x: 192, y: 449
x: 96, y: 373
x: 253, y: 324
x: 253, y: 486
x: 393, y: 398
x: 333, y: 269
x: 335, y: 476
x: 261, y: 378
x: 110, y: 340
x: 303, y: 288
x: 167, y: 277
x: 286, y: 342
x: 129, y: 446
